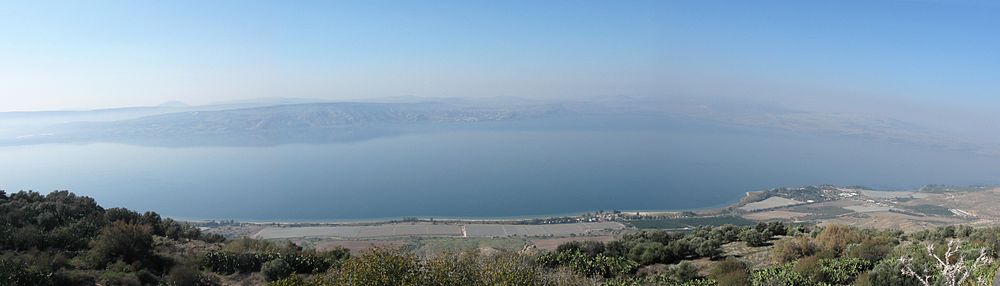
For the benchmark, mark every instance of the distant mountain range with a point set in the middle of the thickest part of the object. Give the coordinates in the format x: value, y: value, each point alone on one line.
x: 272, y: 121
x: 264, y: 125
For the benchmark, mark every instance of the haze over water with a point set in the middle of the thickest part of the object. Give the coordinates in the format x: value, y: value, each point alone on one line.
x: 508, y: 169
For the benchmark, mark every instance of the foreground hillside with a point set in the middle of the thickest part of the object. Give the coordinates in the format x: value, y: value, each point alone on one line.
x: 64, y: 239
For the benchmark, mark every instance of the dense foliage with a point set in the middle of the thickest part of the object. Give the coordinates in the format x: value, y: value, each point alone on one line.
x: 64, y: 239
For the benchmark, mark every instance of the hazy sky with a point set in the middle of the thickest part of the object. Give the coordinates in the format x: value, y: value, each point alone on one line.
x: 89, y: 54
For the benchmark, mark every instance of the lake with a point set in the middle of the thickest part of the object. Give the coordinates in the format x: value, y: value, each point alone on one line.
x: 492, y: 170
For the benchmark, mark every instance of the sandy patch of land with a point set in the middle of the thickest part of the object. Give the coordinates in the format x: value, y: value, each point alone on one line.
x: 770, y: 203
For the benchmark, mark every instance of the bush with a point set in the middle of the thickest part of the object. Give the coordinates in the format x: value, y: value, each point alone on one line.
x: 122, y: 241
x: 508, y: 269
x: 888, y: 272
x: 453, y: 269
x: 730, y: 272
x: 378, y: 267
x: 276, y: 269
x: 790, y: 249
x: 17, y: 274
x: 842, y: 270
x: 188, y: 276
x: 229, y: 262
x: 778, y: 275
x: 809, y: 267
x: 596, y: 266
x: 298, y: 281
x: 681, y: 273
x: 871, y: 249
x: 835, y: 238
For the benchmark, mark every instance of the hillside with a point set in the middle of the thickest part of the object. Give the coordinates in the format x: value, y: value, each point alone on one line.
x: 64, y: 239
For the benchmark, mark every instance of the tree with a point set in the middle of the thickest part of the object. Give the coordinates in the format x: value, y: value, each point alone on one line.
x: 648, y: 253
x: 708, y: 248
x: 755, y: 237
x: 123, y: 214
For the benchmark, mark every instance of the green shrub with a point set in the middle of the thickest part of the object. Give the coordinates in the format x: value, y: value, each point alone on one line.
x: 276, y: 269
x: 888, y: 272
x: 380, y: 267
x: 842, y: 270
x: 596, y: 266
x: 229, y: 262
x: 188, y: 276
x: 122, y: 241
x: 778, y: 275
x: 17, y: 274
x: 871, y: 249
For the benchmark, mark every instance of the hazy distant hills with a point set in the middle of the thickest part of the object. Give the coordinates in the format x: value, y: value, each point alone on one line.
x: 275, y: 121
x: 268, y: 125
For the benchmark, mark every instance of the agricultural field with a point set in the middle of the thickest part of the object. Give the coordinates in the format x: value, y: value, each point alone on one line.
x: 435, y: 230
x: 868, y: 208
x: 690, y: 222
x: 772, y: 215
x: 821, y: 211
x: 933, y: 210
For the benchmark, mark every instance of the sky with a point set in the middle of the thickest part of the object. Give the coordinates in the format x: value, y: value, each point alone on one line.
x: 95, y: 54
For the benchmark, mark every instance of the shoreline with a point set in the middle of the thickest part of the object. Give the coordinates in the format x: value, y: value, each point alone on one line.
x: 713, y: 210
x: 456, y: 219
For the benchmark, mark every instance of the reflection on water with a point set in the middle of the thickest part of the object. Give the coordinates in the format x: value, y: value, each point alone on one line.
x: 508, y: 169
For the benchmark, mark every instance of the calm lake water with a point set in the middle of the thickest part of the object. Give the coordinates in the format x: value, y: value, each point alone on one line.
x: 501, y: 171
